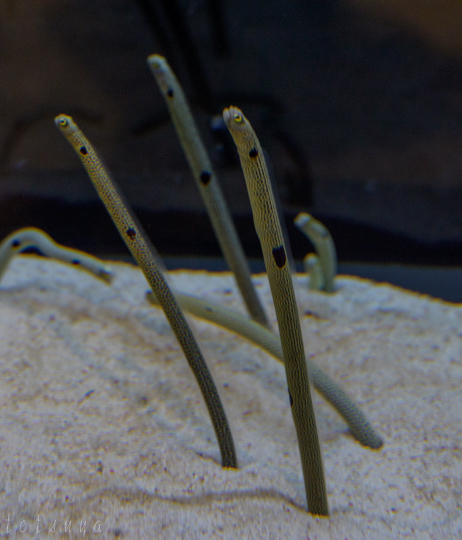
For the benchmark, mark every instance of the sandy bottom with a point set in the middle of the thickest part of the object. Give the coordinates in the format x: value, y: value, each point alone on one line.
x: 103, y: 430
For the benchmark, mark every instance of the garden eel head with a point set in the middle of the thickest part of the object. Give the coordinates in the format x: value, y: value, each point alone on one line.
x: 234, y: 118
x: 157, y: 62
x: 66, y: 124
x: 163, y: 74
x: 239, y: 128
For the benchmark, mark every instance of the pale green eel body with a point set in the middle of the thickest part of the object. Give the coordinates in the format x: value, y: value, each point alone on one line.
x: 313, y: 270
x: 359, y: 426
x: 275, y: 255
x: 207, y: 183
x: 31, y: 237
x: 141, y: 250
x: 324, y: 245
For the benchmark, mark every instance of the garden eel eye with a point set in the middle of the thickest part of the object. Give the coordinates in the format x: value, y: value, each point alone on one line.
x: 63, y: 122
x: 237, y: 117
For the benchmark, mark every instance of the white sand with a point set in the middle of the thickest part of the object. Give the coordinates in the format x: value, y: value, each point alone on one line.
x: 102, y: 421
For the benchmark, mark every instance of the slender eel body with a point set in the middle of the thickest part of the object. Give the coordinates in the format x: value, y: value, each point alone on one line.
x: 280, y: 279
x: 141, y: 249
x: 324, y: 245
x: 313, y: 270
x: 207, y: 183
x: 359, y: 426
x: 29, y: 237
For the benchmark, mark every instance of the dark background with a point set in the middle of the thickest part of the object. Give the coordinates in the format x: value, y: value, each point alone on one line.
x: 358, y: 104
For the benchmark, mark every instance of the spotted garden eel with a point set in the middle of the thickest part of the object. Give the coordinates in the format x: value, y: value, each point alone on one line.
x: 143, y: 252
x: 359, y: 426
x: 324, y: 245
x: 313, y: 270
x: 275, y: 255
x: 207, y: 183
x: 31, y: 237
